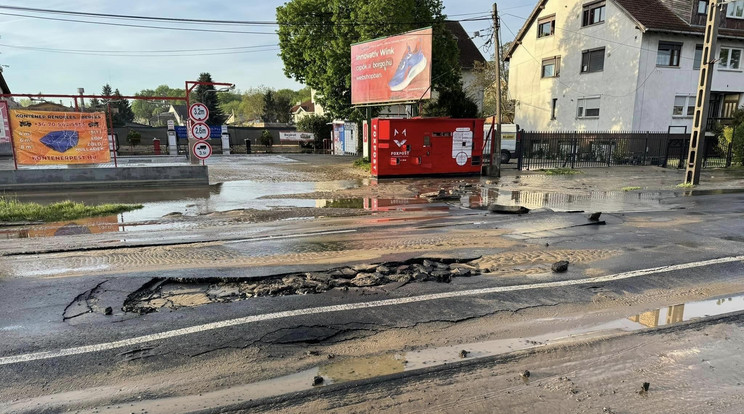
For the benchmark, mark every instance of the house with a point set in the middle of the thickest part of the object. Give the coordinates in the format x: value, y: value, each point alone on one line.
x: 620, y: 65
x: 469, y: 56
x: 306, y: 108
x: 178, y: 113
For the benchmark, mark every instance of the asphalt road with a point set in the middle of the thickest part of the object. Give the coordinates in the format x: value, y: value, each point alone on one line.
x: 50, y: 362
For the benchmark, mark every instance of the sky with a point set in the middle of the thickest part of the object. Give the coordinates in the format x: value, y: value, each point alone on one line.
x: 58, y: 57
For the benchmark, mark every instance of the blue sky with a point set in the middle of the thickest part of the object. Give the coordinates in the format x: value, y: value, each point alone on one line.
x: 31, y: 70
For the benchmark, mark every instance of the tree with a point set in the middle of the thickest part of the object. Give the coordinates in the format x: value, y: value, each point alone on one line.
x: 269, y: 112
x: 277, y: 106
x: 144, y: 110
x: 318, y: 125
x: 121, y: 110
x: 452, y: 102
x: 134, y: 138
x: 485, y: 80
x: 315, y: 38
x: 207, y: 95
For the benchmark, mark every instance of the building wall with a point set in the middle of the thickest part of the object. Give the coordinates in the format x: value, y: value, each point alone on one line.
x: 658, y: 86
x: 615, y: 85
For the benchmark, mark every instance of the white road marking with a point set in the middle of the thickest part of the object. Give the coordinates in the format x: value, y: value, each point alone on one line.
x: 351, y: 306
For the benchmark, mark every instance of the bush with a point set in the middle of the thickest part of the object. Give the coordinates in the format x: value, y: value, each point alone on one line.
x: 318, y: 125
x: 134, y: 138
x: 266, y: 140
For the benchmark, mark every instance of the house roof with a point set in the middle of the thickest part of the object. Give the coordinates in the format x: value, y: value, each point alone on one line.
x: 181, y: 110
x: 307, y: 106
x: 650, y: 15
x: 49, y: 106
x: 469, y: 52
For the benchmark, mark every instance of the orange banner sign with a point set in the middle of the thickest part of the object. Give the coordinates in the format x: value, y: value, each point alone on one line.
x: 45, y: 138
x: 393, y: 69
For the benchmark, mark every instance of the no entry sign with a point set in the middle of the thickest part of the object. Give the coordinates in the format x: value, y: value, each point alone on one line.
x: 198, y: 112
x: 202, y: 150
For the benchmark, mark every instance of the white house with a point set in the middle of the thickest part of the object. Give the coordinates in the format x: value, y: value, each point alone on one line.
x: 621, y: 65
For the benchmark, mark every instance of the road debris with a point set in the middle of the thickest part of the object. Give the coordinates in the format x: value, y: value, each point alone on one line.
x: 464, y: 354
x: 502, y: 209
x: 317, y: 380
x: 595, y: 216
x: 560, y: 267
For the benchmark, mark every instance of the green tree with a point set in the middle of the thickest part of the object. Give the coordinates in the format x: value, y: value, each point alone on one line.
x: 121, y: 110
x: 269, y: 112
x: 318, y: 125
x: 315, y: 38
x: 144, y: 110
x: 734, y: 135
x: 134, y: 138
x: 207, y: 95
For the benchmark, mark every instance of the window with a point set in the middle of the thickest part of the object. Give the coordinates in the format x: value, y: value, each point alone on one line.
x: 551, y: 68
x: 729, y: 58
x: 592, y: 60
x: 698, y: 60
x: 735, y: 9
x: 588, y: 108
x: 546, y: 26
x: 668, y: 54
x: 553, y: 109
x: 684, y: 106
x: 702, y: 7
x: 594, y: 13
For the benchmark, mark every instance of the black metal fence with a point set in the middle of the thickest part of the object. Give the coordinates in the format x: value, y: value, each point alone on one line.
x: 544, y: 150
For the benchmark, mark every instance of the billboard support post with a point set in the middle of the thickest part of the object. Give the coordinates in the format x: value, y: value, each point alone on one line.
x: 369, y: 132
x: 494, y: 168
x: 114, y: 142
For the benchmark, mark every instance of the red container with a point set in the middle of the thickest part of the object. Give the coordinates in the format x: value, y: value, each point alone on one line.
x: 426, y: 146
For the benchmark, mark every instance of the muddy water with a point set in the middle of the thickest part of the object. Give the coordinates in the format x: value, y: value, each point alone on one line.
x: 351, y: 369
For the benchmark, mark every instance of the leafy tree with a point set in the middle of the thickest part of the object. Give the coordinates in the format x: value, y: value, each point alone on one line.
x: 269, y: 113
x: 315, y: 38
x: 734, y: 135
x: 207, y: 95
x: 318, y: 125
x: 452, y: 102
x: 277, y: 106
x: 134, y: 138
x: 144, y: 110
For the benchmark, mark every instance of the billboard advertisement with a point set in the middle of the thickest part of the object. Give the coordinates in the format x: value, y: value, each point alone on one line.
x: 292, y: 136
x: 46, y: 138
x: 392, y: 69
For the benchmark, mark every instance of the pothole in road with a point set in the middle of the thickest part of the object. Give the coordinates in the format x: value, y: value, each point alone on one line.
x: 175, y: 293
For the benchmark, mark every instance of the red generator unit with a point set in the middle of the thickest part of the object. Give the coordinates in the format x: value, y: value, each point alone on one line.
x: 426, y: 146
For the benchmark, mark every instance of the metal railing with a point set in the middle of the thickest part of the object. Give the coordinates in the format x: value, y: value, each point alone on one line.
x: 545, y: 150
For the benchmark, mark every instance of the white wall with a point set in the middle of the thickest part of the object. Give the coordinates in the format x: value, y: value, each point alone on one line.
x: 615, y: 85
x: 658, y: 86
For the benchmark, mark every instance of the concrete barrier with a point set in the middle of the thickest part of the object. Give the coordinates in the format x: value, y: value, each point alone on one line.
x: 100, y: 178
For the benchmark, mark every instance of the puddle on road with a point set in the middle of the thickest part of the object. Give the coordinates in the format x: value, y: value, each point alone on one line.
x: 351, y: 369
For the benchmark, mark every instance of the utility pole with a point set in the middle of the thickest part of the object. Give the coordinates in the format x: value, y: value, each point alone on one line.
x: 494, y: 168
x: 700, y: 120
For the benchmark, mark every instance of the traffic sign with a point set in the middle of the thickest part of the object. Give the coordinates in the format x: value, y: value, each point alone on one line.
x: 202, y: 150
x: 198, y: 112
x: 200, y: 131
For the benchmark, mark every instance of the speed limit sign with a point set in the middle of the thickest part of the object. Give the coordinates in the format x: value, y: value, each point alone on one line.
x: 202, y: 150
x: 200, y: 131
x: 198, y: 112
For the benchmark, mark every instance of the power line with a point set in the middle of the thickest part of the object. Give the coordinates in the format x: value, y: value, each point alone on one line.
x: 47, y: 49
x: 200, y: 52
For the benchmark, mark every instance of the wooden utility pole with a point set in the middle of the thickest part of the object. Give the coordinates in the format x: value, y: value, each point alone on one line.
x: 494, y: 168
x: 700, y: 120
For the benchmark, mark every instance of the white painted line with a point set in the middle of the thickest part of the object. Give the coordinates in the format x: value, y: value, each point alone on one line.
x: 351, y: 306
x: 289, y: 236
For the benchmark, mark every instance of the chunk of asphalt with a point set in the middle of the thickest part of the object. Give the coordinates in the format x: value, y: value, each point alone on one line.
x: 502, y: 209
x: 560, y: 267
x: 595, y: 216
x: 317, y: 380
x: 524, y: 374
x: 464, y: 354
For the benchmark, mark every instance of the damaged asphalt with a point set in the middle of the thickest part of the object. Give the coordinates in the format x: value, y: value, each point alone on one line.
x: 56, y: 313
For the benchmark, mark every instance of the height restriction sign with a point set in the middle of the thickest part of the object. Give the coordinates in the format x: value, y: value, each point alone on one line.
x: 200, y: 131
x: 198, y: 112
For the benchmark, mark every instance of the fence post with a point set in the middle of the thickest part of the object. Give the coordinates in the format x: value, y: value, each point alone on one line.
x: 645, y: 149
x: 519, y: 149
x: 573, y: 152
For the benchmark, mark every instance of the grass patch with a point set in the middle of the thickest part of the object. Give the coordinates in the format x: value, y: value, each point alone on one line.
x: 362, y: 163
x: 631, y: 188
x: 562, y: 171
x: 12, y: 210
x: 686, y: 185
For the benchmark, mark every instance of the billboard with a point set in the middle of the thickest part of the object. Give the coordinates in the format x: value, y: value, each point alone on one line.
x: 392, y: 69
x: 292, y: 136
x: 46, y: 138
